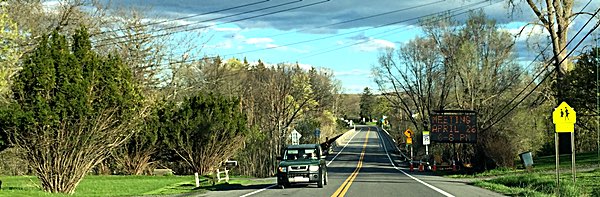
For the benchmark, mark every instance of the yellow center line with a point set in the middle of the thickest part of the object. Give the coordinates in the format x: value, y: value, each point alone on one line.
x: 341, y: 191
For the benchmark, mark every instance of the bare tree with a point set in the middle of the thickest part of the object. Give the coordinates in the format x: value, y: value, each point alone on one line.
x: 554, y: 16
x: 469, y: 67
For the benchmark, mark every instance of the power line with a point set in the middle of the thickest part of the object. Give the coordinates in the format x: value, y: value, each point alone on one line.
x: 213, y: 19
x: 231, y: 21
x: 391, y: 31
x: 359, y: 19
x: 305, y: 41
x: 541, y: 70
x: 185, y: 17
x: 553, y: 70
x: 351, y: 32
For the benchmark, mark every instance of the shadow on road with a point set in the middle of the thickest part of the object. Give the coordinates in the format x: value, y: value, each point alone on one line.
x: 230, y: 187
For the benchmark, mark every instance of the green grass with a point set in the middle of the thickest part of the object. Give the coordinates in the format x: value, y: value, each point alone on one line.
x: 123, y: 185
x: 541, y: 181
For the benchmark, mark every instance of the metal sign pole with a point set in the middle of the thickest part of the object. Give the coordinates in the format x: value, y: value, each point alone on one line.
x: 597, y: 102
x: 557, y: 164
x: 573, y: 155
x: 411, y: 153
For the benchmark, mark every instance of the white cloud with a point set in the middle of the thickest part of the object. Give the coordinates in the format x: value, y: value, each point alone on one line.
x: 258, y: 40
x: 353, y: 72
x: 375, y: 44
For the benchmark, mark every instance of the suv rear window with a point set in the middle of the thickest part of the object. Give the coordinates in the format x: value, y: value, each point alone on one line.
x: 297, y: 154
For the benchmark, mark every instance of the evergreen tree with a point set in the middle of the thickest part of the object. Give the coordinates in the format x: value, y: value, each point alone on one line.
x: 72, y: 108
x: 204, y: 130
x: 367, y: 102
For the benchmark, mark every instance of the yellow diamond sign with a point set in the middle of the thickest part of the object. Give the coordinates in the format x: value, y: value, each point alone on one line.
x: 564, y: 118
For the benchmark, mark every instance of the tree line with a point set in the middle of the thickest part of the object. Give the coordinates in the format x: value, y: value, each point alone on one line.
x: 72, y: 104
x: 473, y: 66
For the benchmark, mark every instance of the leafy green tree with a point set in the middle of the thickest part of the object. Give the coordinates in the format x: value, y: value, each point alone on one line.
x: 138, y: 154
x: 204, y: 130
x: 367, y: 102
x: 72, y: 108
x: 10, y: 53
x: 469, y: 67
x: 381, y: 108
x: 580, y: 85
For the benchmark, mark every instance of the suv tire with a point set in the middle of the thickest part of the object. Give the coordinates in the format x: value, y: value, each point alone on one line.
x: 326, y: 178
x: 321, y: 179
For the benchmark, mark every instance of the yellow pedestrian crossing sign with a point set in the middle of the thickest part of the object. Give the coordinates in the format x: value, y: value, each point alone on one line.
x: 564, y: 118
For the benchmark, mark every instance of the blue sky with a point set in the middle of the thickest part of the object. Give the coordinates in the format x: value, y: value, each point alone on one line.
x: 306, y: 36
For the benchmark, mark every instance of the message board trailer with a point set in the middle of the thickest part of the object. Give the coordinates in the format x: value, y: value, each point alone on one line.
x: 453, y: 126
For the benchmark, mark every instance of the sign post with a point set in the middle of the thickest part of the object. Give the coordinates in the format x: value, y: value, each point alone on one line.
x: 564, y: 118
x: 409, y: 133
x: 295, y: 137
x: 317, y: 134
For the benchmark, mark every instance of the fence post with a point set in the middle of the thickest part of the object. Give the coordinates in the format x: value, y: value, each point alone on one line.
x: 197, y: 179
x: 226, y: 175
x: 218, y: 175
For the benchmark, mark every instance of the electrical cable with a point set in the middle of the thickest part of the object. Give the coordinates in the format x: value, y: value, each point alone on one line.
x: 553, y: 70
x: 231, y: 21
x: 305, y: 41
x: 391, y: 32
x: 212, y: 19
x: 541, y: 70
x: 358, y: 19
x: 185, y: 17
x: 351, y: 32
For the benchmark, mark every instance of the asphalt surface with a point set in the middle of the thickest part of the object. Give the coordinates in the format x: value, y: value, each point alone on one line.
x: 377, y: 174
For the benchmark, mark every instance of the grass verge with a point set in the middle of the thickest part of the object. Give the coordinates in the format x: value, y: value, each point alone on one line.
x: 541, y: 181
x: 125, y: 185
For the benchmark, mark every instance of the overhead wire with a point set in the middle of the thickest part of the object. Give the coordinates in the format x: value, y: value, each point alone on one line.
x: 227, y: 22
x: 359, y: 19
x: 541, y: 70
x: 554, y: 69
x: 347, y: 33
x: 392, y: 31
x: 326, y: 37
x: 186, y: 17
x: 212, y: 19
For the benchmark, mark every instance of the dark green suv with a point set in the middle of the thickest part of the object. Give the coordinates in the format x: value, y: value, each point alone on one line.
x: 304, y: 163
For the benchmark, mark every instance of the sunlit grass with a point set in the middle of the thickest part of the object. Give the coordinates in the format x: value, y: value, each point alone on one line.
x: 541, y: 181
x: 123, y: 185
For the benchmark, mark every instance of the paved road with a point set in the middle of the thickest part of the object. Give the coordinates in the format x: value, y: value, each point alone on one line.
x: 364, y: 168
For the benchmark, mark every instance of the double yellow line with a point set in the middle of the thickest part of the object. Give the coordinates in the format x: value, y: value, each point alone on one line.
x: 346, y: 185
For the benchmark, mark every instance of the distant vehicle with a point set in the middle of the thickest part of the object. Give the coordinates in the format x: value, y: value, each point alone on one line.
x: 303, y: 163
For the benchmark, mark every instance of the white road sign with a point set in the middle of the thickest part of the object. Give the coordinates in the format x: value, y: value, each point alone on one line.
x: 295, y: 137
x: 426, y: 140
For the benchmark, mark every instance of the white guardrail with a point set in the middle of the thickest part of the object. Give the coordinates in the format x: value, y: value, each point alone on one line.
x: 395, y: 145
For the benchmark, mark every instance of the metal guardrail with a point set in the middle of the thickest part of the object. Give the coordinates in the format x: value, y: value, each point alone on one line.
x: 398, y: 149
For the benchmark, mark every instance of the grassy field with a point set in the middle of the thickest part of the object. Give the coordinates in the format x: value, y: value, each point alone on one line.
x: 123, y: 185
x: 541, y: 181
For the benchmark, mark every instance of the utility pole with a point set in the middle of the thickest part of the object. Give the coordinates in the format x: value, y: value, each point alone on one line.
x: 597, y: 102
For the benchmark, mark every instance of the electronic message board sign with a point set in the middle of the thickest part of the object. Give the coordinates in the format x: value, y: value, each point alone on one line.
x: 454, y: 126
